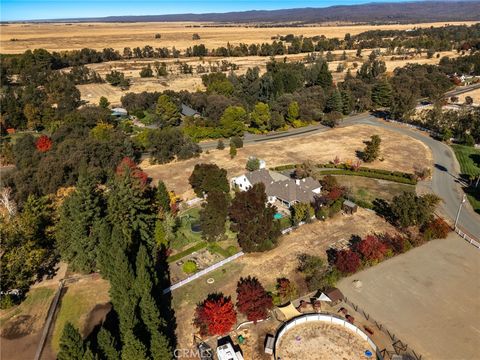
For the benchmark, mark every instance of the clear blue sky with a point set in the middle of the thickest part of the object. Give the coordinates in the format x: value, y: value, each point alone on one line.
x: 55, y: 9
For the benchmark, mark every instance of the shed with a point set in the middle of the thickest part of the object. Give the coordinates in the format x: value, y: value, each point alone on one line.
x: 188, y: 111
x: 349, y: 207
x: 269, y: 343
x: 332, y: 295
x: 119, y: 112
x: 205, y: 351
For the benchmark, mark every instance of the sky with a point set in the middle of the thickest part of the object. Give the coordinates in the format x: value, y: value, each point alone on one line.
x: 11, y: 10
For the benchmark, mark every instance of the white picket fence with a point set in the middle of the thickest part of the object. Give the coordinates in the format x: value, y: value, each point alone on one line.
x: 468, y: 238
x: 202, y: 272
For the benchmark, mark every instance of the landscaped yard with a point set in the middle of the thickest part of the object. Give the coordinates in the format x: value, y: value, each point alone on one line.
x: 469, y: 159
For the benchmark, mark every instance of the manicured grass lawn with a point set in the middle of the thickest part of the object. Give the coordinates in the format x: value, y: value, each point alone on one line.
x: 75, y: 304
x: 469, y: 159
x: 366, y: 190
x: 184, y: 234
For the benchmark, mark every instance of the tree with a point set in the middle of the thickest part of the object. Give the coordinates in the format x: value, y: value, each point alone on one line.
x: 44, y: 143
x: 382, y: 94
x: 372, y: 249
x: 107, y: 345
x: 71, y: 344
x: 468, y: 100
x: 162, y: 197
x: 260, y: 116
x: 215, y: 315
x: 348, y: 261
x: 252, y: 164
x: 372, y: 149
x: 253, y: 220
x: 293, y: 112
x: 302, y: 212
x: 408, y: 209
x: 146, y: 71
x: 208, y: 177
x: 117, y: 78
x: 167, y: 111
x: 220, y: 145
x: 233, y: 120
x: 237, y: 141
x: 252, y: 299
x: 213, y: 215
x: 104, y: 103
x: 233, y: 151
x: 286, y: 290
x: 78, y: 229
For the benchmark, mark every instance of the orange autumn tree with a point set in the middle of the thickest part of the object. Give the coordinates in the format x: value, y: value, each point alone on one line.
x: 215, y: 315
x: 44, y: 143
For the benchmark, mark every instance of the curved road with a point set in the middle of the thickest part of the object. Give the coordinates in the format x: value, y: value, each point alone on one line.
x: 445, y: 179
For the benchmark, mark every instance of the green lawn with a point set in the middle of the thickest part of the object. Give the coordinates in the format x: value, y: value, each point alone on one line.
x: 469, y: 159
x: 184, y: 234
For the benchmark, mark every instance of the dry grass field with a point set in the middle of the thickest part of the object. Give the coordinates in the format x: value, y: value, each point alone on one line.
x: 474, y: 94
x: 396, y: 151
x: 67, y: 36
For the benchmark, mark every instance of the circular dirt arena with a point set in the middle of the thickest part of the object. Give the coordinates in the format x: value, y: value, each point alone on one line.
x: 316, y: 340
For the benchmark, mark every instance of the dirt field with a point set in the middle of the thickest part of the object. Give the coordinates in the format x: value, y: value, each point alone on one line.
x: 21, y: 326
x: 282, y: 261
x: 427, y: 297
x: 397, y: 151
x: 474, y: 94
x: 320, y: 341
x: 61, y: 36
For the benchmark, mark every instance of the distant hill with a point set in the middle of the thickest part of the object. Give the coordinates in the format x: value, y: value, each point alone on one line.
x: 423, y: 11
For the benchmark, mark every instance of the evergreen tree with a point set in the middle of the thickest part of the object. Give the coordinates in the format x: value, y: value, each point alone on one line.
x: 71, y: 344
x: 162, y: 196
x: 167, y: 111
x: 107, y: 345
x: 334, y: 102
x: 382, y: 94
x: 372, y: 149
x: 213, y: 215
x: 77, y: 231
x: 208, y: 177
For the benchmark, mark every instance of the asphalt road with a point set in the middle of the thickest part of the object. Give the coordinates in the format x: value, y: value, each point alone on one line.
x: 445, y: 177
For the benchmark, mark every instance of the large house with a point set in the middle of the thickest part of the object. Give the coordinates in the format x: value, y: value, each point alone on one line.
x: 279, y: 187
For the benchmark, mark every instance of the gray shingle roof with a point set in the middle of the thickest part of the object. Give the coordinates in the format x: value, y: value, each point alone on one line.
x: 188, y: 111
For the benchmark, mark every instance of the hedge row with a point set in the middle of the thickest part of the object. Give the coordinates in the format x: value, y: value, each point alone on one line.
x: 188, y: 251
x: 372, y: 175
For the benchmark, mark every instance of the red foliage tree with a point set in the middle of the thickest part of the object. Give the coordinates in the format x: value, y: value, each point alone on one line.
x: 395, y: 242
x: 347, y: 261
x: 372, y: 249
x: 216, y: 315
x: 44, y: 143
x: 252, y: 299
x: 335, y: 193
x: 127, y: 164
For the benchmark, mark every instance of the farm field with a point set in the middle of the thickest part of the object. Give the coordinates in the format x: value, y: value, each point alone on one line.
x: 316, y: 237
x: 406, y: 293
x: 396, y: 150
x: 71, y: 36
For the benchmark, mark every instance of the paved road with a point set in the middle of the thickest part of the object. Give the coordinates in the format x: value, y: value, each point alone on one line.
x: 445, y: 178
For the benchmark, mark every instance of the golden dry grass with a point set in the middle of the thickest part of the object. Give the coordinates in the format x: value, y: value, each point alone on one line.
x: 61, y: 36
x: 474, y: 94
x: 398, y: 151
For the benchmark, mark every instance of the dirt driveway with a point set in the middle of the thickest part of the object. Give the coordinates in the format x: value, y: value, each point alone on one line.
x: 399, y: 152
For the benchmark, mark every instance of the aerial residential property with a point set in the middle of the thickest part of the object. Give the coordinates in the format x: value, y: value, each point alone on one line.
x: 240, y: 180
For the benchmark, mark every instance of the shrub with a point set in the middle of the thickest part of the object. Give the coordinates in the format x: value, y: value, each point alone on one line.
x: 348, y: 261
x: 237, y: 141
x: 44, y: 143
x: 220, y: 145
x: 7, y: 301
x: 436, y: 229
x: 189, y: 267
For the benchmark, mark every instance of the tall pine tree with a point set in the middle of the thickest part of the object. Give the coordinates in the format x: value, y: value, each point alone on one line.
x: 71, y: 344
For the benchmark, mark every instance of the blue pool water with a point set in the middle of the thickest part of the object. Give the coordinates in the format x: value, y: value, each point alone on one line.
x: 278, y: 216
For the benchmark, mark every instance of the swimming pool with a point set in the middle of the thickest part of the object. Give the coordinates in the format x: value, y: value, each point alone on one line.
x: 278, y: 216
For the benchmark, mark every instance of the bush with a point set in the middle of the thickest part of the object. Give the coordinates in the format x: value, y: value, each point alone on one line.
x: 220, y: 145
x: 7, y: 301
x: 232, y: 250
x: 436, y: 229
x: 189, y: 267
x: 236, y: 141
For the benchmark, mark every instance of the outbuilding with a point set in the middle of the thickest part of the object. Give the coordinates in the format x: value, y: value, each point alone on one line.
x: 349, y: 207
